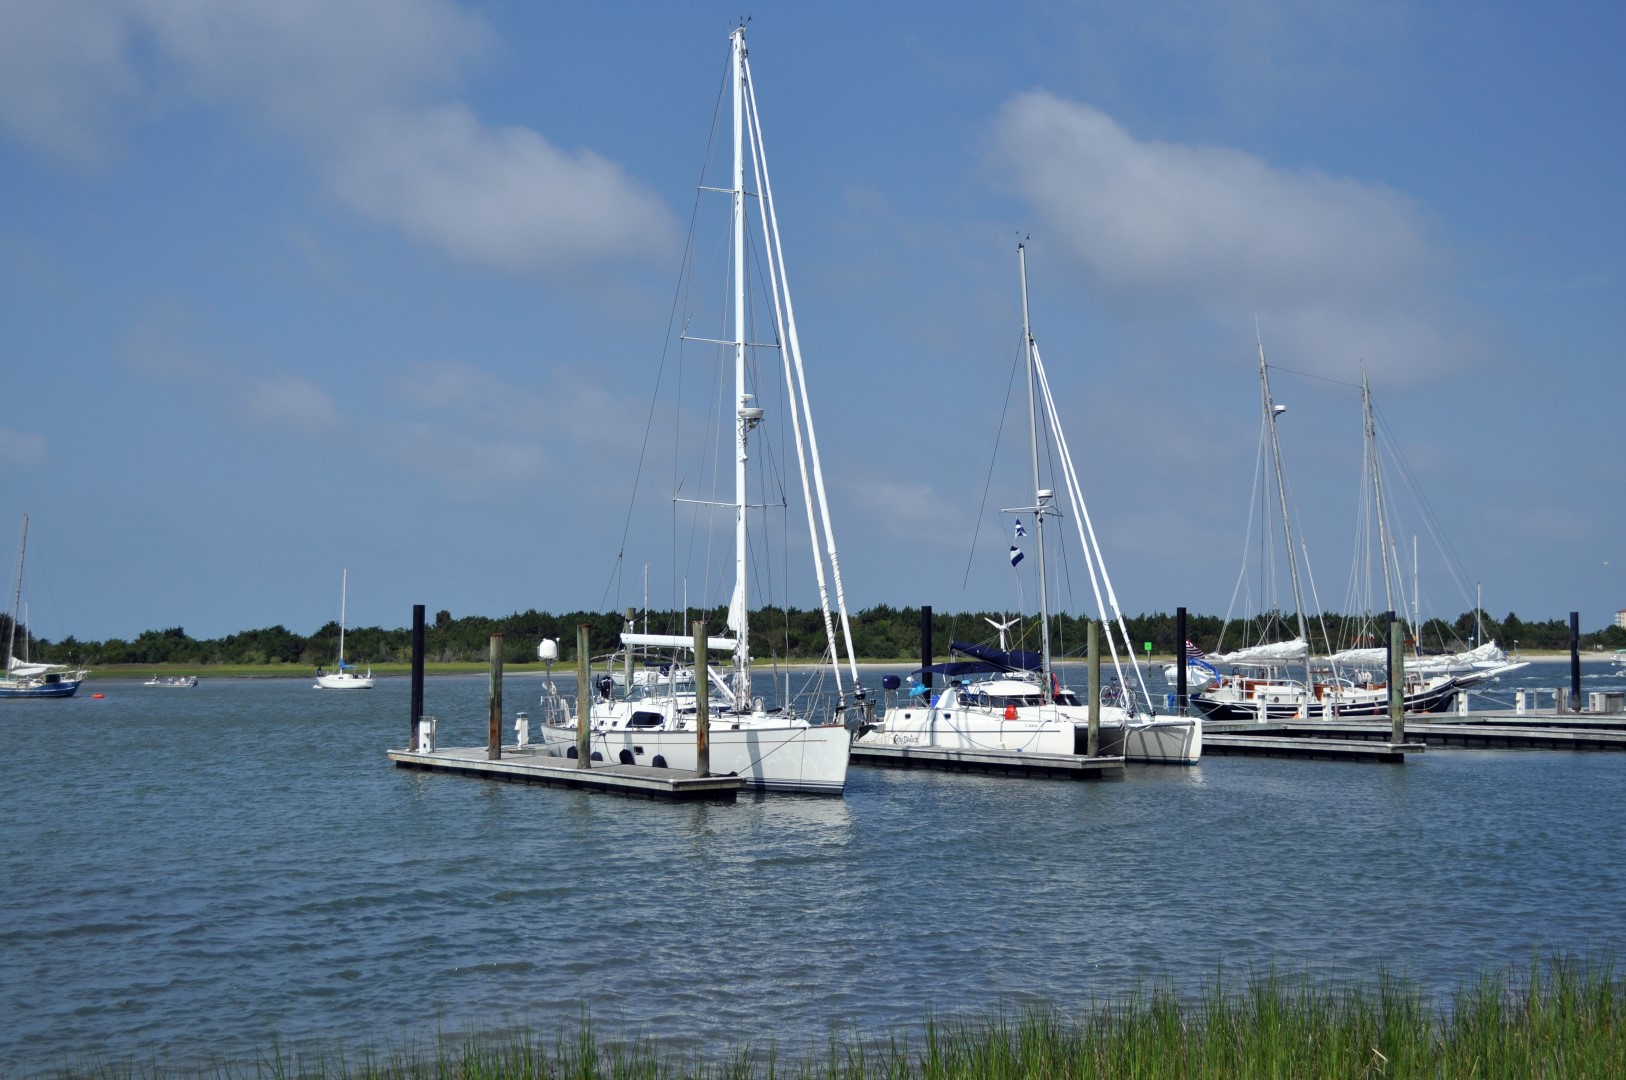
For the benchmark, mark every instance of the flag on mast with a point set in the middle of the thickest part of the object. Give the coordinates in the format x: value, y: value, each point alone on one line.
x: 1016, y: 554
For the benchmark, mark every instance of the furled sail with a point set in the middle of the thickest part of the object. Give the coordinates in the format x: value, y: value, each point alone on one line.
x: 1274, y: 653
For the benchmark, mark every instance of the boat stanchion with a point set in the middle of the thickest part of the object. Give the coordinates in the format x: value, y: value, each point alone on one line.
x: 584, y: 702
x: 414, y: 740
x: 494, y: 702
x: 702, y: 701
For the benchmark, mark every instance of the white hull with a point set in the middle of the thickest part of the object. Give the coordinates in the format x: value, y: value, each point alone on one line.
x: 344, y: 680
x: 1166, y: 740
x: 791, y: 758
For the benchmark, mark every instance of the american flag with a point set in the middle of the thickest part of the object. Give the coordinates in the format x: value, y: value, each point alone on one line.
x: 1016, y: 554
x: 1194, y: 653
x: 1021, y: 530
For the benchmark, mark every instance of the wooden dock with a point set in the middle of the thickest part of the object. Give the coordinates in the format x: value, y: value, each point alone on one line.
x: 994, y: 762
x: 530, y: 765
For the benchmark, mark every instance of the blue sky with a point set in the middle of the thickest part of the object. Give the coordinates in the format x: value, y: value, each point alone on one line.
x: 290, y: 287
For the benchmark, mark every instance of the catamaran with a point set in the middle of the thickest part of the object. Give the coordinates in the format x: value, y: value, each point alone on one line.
x: 802, y: 743
x: 1017, y: 702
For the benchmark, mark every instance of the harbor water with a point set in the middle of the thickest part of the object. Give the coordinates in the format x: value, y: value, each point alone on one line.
x: 198, y: 875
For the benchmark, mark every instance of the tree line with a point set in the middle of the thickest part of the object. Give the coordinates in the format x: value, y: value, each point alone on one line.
x: 878, y: 633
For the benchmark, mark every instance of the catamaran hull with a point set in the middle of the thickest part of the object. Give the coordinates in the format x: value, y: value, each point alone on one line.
x: 1165, y: 740
x: 805, y: 760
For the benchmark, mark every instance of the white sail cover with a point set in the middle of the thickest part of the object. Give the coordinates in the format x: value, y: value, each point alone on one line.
x: 677, y: 641
x: 1276, y: 652
x: 1361, y: 656
x: 23, y: 671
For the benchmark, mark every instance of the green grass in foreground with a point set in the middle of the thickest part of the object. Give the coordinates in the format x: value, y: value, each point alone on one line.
x: 1564, y: 1019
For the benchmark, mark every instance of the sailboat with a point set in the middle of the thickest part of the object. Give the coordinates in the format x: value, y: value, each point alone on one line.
x: 345, y: 676
x: 1017, y: 702
x: 1262, y: 683
x: 21, y: 678
x: 801, y: 744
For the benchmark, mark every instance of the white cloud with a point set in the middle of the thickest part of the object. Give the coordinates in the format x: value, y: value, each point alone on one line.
x: 282, y: 402
x: 361, y: 87
x: 21, y: 449
x: 504, y: 197
x: 1338, y: 270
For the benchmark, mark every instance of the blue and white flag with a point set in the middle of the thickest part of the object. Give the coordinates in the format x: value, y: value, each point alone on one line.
x: 1016, y: 554
x: 1021, y: 530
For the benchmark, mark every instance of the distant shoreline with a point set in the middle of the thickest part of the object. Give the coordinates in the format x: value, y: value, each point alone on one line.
x: 393, y: 670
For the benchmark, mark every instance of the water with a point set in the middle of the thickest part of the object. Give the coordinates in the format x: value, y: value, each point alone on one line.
x: 195, y: 874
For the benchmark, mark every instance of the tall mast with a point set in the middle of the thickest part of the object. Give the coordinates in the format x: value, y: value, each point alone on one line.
x: 17, y: 595
x: 344, y: 596
x: 1377, y: 491
x: 1281, y: 497
x: 739, y: 607
x: 1040, y: 496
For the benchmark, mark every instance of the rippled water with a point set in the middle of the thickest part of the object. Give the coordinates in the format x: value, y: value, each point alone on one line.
x: 197, y: 873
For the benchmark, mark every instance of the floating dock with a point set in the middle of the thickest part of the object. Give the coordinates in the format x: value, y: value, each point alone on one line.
x: 1470, y: 731
x: 1288, y: 741
x: 530, y: 765
x: 994, y: 762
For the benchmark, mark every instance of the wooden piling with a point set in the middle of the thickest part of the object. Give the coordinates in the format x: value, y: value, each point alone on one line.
x: 494, y: 702
x: 631, y: 625
x: 417, y: 675
x: 702, y: 702
x: 1092, y: 745
x: 584, y: 701
x: 1397, y: 678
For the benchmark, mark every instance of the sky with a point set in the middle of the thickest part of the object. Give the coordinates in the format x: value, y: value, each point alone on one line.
x: 292, y: 287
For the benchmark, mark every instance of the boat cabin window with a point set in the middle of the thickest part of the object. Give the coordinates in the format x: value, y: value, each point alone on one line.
x: 646, y: 720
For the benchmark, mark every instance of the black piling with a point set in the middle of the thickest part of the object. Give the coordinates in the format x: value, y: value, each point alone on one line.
x: 417, y: 674
x: 1575, y: 661
x: 1180, y: 701
x: 926, y: 649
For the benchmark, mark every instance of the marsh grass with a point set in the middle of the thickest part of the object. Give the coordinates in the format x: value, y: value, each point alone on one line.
x: 1561, y: 1018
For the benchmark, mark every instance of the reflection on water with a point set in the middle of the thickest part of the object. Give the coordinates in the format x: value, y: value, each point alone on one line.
x: 200, y: 873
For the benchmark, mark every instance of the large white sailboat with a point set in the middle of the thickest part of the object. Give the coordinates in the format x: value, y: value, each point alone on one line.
x: 800, y: 744
x: 343, y: 677
x: 22, y: 678
x: 1017, y: 702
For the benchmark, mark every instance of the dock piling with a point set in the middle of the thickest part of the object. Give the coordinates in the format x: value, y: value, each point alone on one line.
x: 702, y: 701
x: 1575, y: 661
x: 1092, y: 745
x: 494, y: 702
x: 926, y: 651
x: 1180, y: 701
x: 1397, y: 676
x: 417, y: 676
x: 584, y: 701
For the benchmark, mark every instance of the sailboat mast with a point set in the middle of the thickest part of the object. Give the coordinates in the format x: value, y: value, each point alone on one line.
x: 1281, y: 498
x: 344, y: 597
x: 17, y: 595
x: 739, y: 607
x: 1377, y: 492
x: 1038, y: 494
